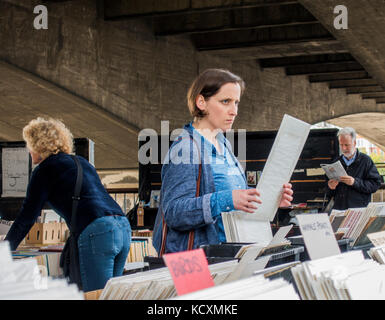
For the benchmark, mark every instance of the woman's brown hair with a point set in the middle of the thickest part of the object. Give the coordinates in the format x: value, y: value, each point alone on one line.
x: 207, y: 84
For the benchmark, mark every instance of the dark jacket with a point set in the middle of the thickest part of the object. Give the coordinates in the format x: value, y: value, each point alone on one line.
x: 53, y: 181
x: 367, y: 180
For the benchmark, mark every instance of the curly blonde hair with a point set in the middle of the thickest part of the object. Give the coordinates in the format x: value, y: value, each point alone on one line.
x: 47, y: 137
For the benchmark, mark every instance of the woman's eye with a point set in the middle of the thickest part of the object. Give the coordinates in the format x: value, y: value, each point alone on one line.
x: 226, y: 101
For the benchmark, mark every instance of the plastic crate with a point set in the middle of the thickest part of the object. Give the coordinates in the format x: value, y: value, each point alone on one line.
x: 156, y: 262
x: 287, y: 255
x: 227, y: 251
x: 224, y: 250
x: 365, y: 248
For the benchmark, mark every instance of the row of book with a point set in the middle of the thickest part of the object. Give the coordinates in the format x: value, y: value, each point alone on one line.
x: 357, y: 223
x: 140, y: 247
x: 378, y: 254
x: 156, y: 284
x: 347, y: 276
x: 22, y: 279
x: 252, y: 288
x: 48, y: 262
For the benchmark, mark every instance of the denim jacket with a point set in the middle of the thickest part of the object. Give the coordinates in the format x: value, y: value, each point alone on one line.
x: 181, y: 209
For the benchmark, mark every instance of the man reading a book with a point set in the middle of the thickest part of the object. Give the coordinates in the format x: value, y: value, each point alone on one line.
x: 362, y: 179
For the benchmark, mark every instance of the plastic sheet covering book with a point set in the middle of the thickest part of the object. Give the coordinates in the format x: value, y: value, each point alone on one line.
x: 252, y: 288
x: 155, y: 284
x: 348, y: 276
x: 241, y: 226
x: 22, y: 280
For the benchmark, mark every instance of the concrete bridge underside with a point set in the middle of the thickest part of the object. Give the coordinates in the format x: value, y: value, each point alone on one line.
x: 111, y: 68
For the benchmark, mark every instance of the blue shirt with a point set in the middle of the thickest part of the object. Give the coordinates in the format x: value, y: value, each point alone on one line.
x: 227, y: 177
x: 349, y: 162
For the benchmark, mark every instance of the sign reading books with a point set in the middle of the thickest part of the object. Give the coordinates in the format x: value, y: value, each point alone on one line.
x: 318, y: 235
x: 189, y: 270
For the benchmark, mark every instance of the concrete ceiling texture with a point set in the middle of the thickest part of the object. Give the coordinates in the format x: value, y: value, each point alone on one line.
x: 24, y: 96
x: 299, y: 36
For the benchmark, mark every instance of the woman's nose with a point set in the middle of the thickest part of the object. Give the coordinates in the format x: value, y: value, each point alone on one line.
x: 234, y: 109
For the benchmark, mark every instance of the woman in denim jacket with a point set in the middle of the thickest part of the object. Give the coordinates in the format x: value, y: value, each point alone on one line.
x: 213, y: 100
x: 102, y: 230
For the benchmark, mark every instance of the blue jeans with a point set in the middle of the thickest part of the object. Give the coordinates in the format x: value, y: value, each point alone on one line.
x: 103, y: 248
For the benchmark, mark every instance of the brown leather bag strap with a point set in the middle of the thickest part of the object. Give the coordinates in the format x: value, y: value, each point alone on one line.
x: 191, y: 234
x: 190, y: 243
x: 164, y: 235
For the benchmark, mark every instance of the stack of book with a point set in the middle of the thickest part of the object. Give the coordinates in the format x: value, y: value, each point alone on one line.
x: 48, y: 262
x: 378, y: 254
x: 252, y: 288
x: 155, y: 284
x: 142, y: 233
x: 21, y: 280
x: 348, y: 276
x: 357, y: 223
x: 140, y: 247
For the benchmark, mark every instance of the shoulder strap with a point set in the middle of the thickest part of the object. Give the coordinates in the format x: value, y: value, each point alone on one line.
x: 76, y: 196
x: 190, y: 243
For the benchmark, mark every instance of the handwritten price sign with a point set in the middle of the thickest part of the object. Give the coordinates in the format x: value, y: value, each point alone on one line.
x: 189, y: 270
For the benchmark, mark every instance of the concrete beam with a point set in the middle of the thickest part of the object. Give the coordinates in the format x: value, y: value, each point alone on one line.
x: 347, y: 75
x: 337, y: 84
x: 260, y: 37
x: 364, y: 89
x: 305, y: 59
x: 330, y: 67
x: 230, y: 20
x: 280, y: 50
x: 373, y: 95
x: 119, y: 9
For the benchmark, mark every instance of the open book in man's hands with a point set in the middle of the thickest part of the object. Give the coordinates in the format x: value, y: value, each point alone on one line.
x: 334, y: 170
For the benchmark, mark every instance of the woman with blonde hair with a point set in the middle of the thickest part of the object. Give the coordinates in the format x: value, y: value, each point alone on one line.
x: 102, y: 231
